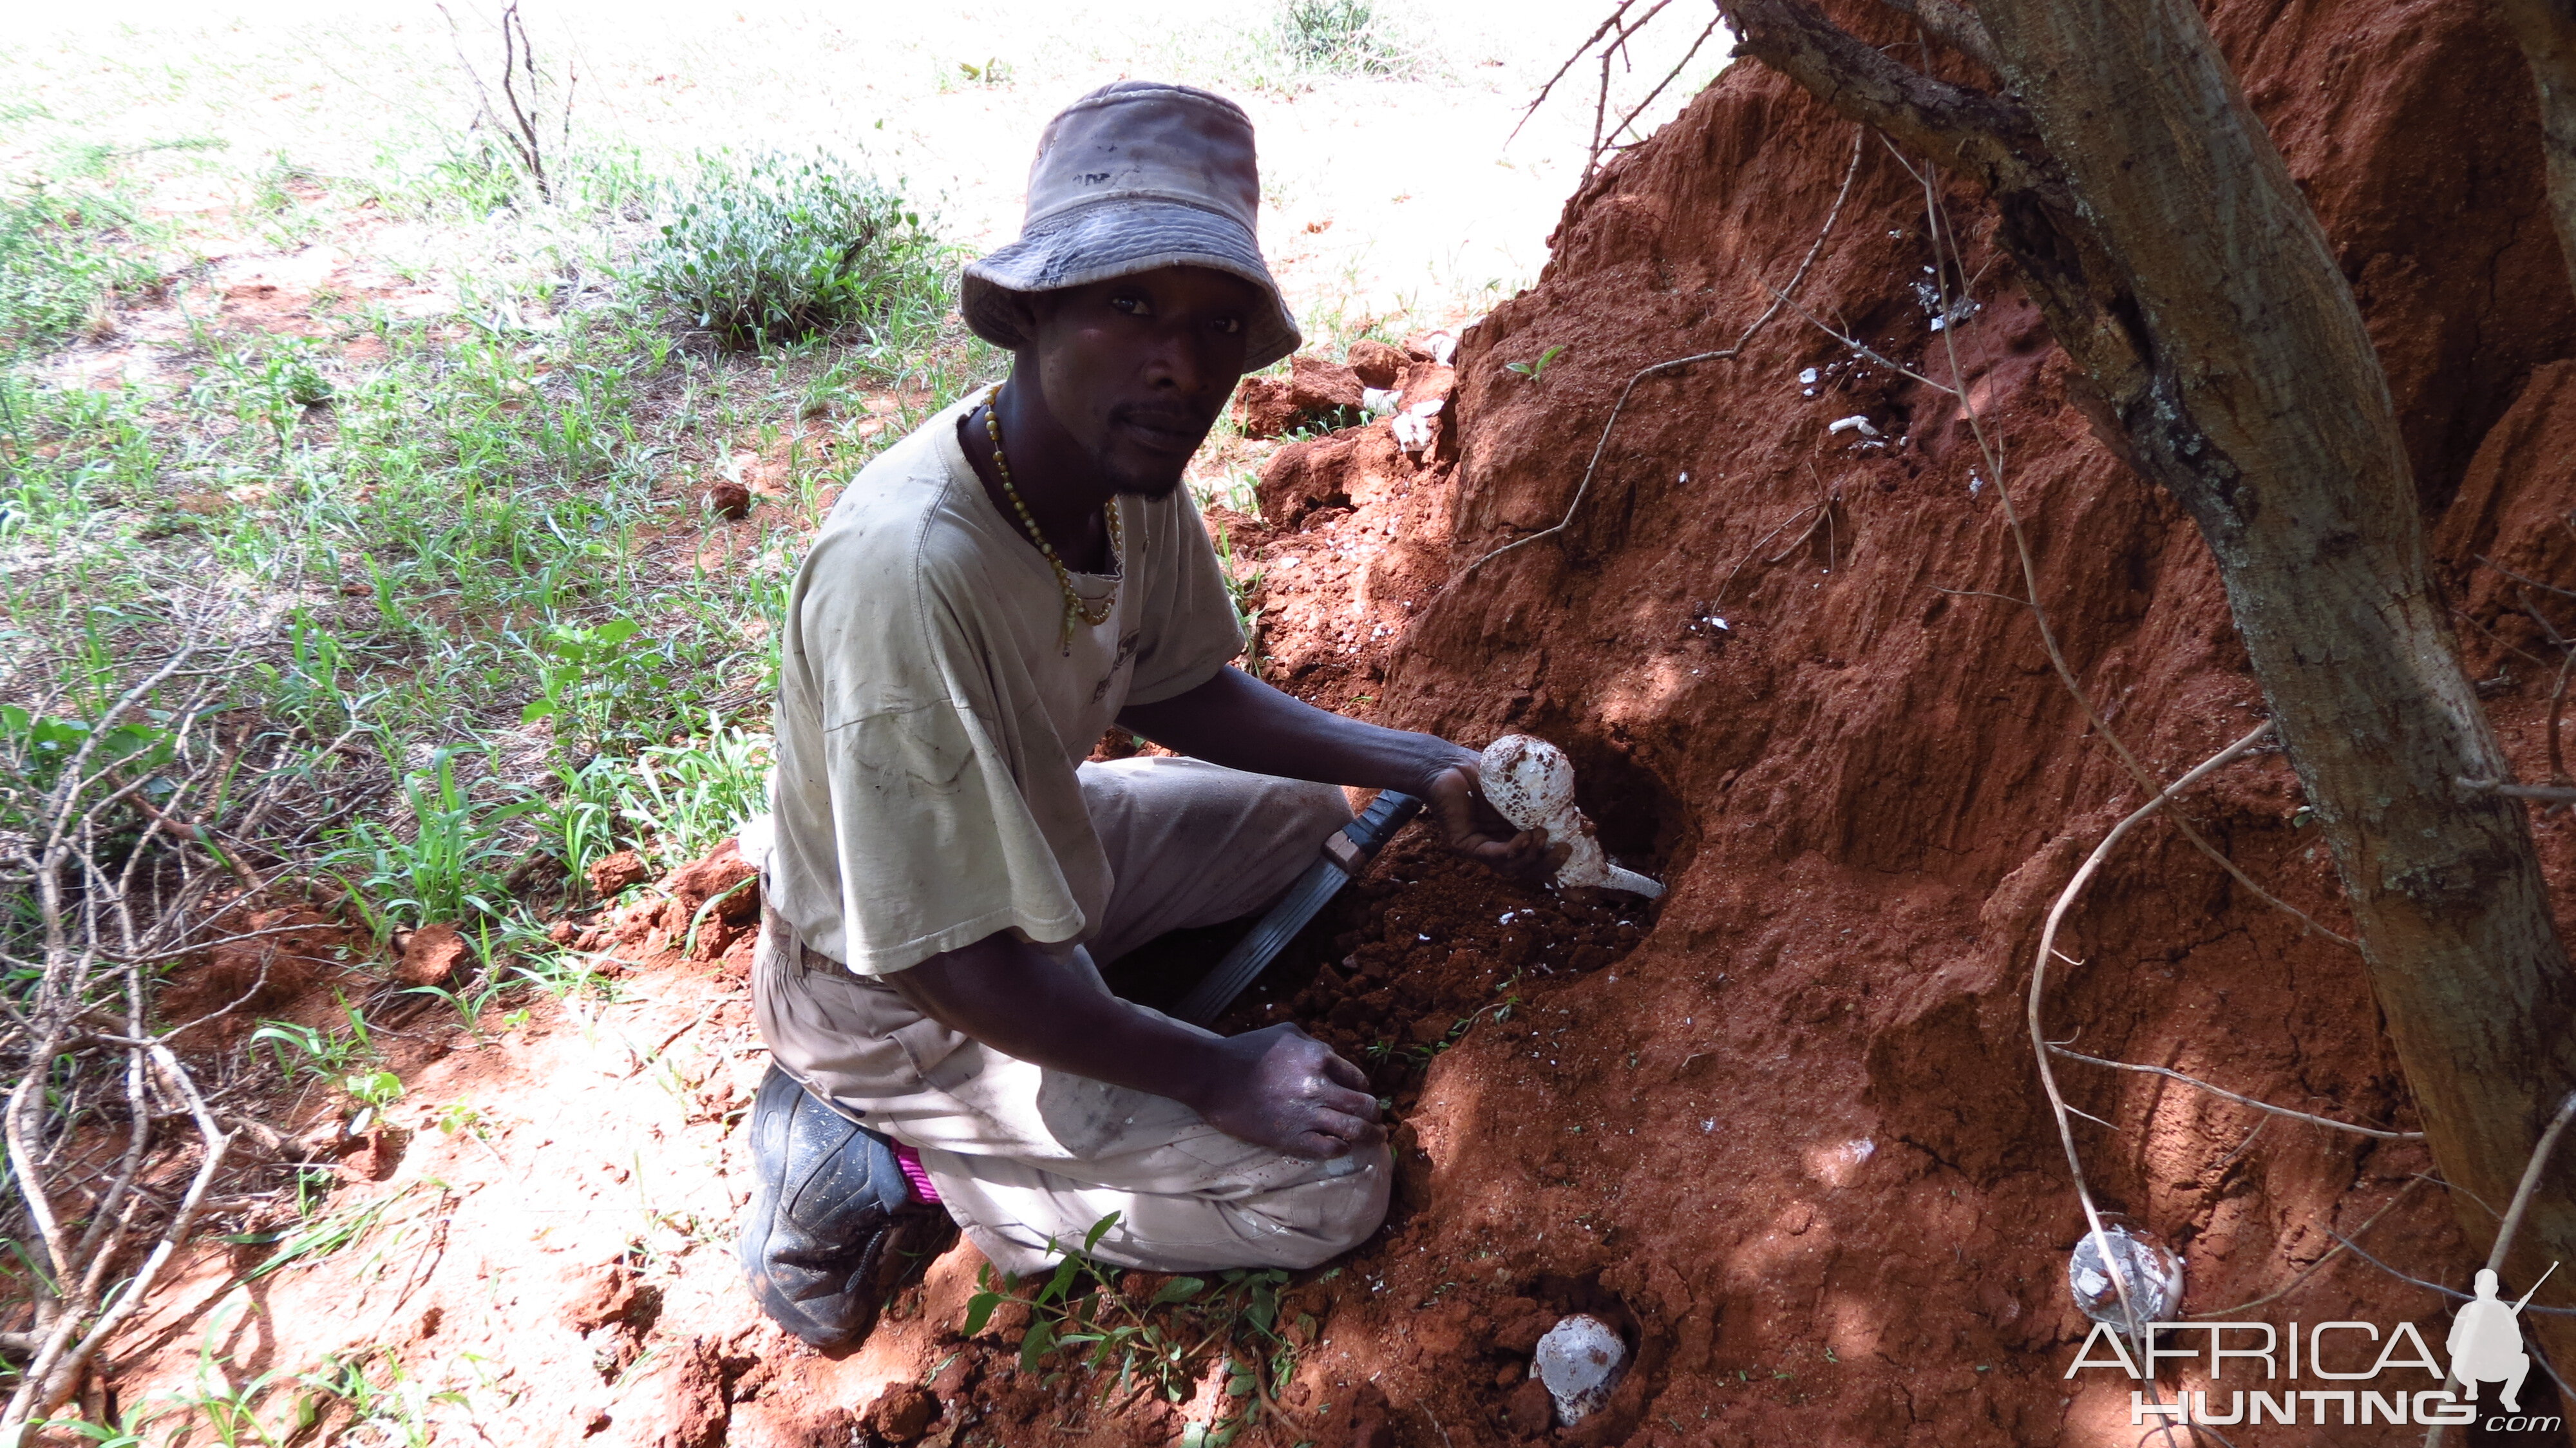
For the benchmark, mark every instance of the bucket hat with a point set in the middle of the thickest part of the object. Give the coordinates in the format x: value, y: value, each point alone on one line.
x: 1134, y: 176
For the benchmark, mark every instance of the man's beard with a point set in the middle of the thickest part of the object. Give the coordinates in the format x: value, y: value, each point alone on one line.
x: 1151, y: 485
x: 1150, y: 481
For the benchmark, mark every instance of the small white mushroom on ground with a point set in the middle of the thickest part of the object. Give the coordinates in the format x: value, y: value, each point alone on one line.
x: 1532, y: 783
x: 1853, y: 423
x: 2147, y: 1267
x: 1379, y: 401
x: 1580, y: 1360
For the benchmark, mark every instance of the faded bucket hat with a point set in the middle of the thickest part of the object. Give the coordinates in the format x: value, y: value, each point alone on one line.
x: 1134, y: 176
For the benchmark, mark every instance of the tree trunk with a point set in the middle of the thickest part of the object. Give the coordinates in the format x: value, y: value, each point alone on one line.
x: 2546, y: 30
x: 2158, y: 230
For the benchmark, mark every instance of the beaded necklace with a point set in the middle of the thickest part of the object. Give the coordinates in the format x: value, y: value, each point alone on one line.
x: 1092, y: 615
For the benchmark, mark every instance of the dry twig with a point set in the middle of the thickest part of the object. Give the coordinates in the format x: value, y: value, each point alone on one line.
x: 111, y: 902
x: 2057, y: 1106
x: 2195, y: 1082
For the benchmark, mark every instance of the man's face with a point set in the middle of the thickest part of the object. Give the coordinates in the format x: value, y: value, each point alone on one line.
x: 1137, y: 368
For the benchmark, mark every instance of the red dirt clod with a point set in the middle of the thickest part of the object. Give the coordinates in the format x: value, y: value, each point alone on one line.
x: 1269, y: 406
x: 599, y: 1294
x: 271, y: 964
x: 679, y: 1405
x: 379, y: 1152
x: 1519, y: 1324
x: 1425, y: 382
x: 1372, y: 1420
x: 1376, y: 364
x: 728, y: 500
x: 694, y: 884
x: 903, y: 1412
x: 621, y: 871
x: 432, y: 956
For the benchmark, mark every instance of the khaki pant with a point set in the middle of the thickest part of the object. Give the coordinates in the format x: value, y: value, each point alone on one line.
x: 1027, y: 1159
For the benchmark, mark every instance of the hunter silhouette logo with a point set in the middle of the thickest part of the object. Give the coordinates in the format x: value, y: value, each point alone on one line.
x: 2486, y: 1341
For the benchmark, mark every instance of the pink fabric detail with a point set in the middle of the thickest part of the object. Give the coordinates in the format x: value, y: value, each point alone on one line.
x: 910, y: 1161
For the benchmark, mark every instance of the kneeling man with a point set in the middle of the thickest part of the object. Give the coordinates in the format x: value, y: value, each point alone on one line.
x: 983, y: 602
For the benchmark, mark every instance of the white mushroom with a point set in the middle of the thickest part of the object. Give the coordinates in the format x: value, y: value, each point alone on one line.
x: 1532, y: 783
x: 1580, y: 1361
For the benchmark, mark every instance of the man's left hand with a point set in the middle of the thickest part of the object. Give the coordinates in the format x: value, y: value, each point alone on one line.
x: 1455, y: 797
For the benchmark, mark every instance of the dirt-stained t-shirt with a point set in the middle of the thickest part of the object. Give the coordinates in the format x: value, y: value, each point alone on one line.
x: 930, y: 720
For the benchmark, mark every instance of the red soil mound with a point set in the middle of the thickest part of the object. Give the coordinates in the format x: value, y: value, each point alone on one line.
x: 1796, y: 1141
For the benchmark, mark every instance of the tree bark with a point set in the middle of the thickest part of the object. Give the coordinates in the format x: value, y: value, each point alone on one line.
x: 2546, y: 30
x: 2158, y: 230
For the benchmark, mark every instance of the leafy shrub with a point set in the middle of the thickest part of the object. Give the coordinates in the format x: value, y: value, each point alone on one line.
x: 1345, y: 36
x: 774, y: 248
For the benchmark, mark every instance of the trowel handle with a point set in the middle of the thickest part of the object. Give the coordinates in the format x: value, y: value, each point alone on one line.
x: 1353, y: 844
x: 1389, y: 812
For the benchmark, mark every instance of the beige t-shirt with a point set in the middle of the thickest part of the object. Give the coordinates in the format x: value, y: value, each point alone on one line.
x: 930, y: 719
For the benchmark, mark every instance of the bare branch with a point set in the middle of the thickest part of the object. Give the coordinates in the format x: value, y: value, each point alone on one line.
x: 1990, y: 139
x: 2513, y: 1213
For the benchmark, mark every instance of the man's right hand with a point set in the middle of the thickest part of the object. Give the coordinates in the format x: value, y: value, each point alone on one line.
x: 1281, y: 1088
x: 1277, y: 1087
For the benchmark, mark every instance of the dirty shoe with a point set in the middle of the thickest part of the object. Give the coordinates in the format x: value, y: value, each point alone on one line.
x: 833, y: 1224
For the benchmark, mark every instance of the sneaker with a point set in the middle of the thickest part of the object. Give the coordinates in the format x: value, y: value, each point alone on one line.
x: 833, y: 1225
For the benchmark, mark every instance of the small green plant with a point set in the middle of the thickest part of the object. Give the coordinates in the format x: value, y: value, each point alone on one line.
x: 373, y: 1091
x: 991, y: 72
x: 309, y: 1050
x: 765, y: 250
x: 580, y: 824
x: 394, y: 1411
x: 1080, y: 1315
x: 1533, y: 370
x: 1240, y: 585
x: 331, y: 1232
x: 446, y: 870
x: 1345, y: 37
x: 690, y: 796
x: 585, y: 664
x: 34, y: 750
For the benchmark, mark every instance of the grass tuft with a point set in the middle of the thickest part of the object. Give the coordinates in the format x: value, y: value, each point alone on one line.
x: 62, y: 269
x: 1339, y: 37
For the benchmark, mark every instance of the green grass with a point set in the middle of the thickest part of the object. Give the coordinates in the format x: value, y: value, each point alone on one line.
x: 459, y: 610
x: 70, y: 249
x: 1343, y: 37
